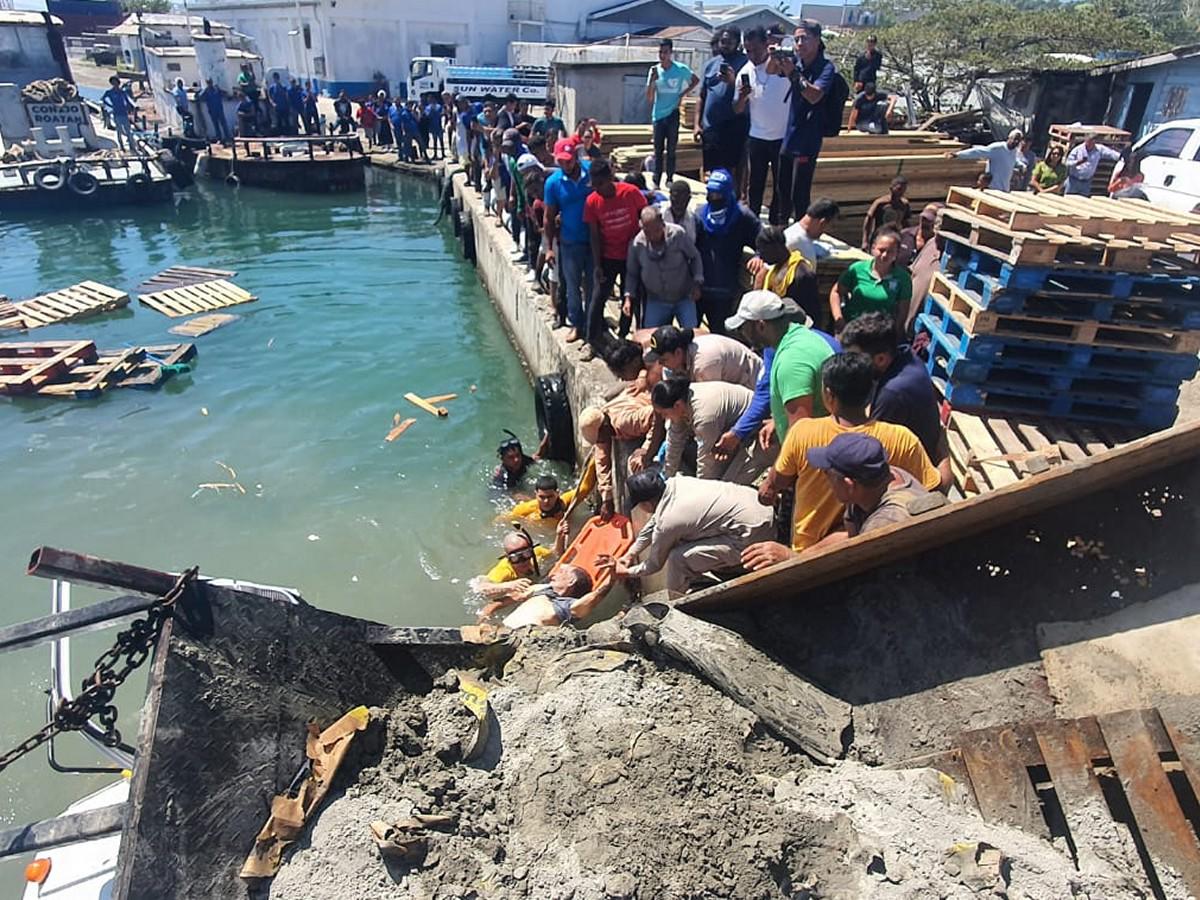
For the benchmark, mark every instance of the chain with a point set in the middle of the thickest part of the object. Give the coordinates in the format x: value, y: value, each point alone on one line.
x: 132, y: 647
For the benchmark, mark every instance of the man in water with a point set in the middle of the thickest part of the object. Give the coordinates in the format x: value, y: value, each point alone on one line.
x: 513, y: 462
x: 567, y: 595
x: 547, y: 504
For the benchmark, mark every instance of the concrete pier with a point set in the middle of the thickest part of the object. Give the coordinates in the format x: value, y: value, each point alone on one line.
x: 528, y: 314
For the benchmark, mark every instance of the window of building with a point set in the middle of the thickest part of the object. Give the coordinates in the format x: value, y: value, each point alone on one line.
x: 307, y: 38
x: 443, y: 50
x: 174, y: 67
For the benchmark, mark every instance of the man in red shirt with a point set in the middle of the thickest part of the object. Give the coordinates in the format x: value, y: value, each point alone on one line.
x: 612, y: 213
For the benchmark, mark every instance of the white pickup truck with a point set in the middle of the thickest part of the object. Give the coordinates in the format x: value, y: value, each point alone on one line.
x: 1163, y: 167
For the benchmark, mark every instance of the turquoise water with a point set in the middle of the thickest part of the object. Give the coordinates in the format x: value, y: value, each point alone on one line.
x: 361, y: 299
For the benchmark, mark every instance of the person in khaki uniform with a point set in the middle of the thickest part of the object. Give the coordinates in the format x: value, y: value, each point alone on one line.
x: 705, y: 410
x: 695, y: 526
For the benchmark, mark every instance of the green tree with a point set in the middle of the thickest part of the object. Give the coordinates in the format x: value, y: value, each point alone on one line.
x: 939, y: 49
x: 146, y: 6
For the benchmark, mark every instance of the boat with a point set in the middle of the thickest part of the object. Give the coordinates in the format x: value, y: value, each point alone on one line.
x: 89, y: 181
x: 304, y: 164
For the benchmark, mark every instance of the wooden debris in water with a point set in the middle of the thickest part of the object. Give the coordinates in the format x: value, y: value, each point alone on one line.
x: 218, y: 486
x: 87, y: 298
x: 440, y: 411
x: 181, y: 276
x: 203, y: 324
x: 399, y: 427
x: 196, y: 298
x: 441, y: 398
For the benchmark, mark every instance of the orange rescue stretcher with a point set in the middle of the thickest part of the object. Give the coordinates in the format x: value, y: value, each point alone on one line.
x: 598, y: 538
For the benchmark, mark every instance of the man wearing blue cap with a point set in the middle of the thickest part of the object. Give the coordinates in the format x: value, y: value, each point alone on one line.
x: 875, y: 494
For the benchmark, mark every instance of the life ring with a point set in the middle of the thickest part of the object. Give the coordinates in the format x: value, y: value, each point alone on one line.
x: 83, y: 183
x: 553, y: 410
x: 49, y: 178
x: 456, y: 215
x: 139, y: 180
x: 468, y: 240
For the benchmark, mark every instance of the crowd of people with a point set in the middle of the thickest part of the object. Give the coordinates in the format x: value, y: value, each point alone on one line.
x: 756, y: 418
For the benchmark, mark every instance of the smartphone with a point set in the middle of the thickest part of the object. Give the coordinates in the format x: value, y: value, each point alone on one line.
x: 745, y: 82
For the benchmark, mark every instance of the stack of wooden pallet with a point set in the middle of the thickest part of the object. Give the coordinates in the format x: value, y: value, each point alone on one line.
x: 1064, y: 307
x: 77, y: 369
x: 1067, y: 136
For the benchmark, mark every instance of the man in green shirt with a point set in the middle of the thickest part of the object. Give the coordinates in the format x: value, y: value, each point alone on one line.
x: 766, y: 322
x: 550, y: 125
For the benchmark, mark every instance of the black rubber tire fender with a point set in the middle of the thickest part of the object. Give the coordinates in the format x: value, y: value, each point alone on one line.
x: 83, y: 183
x: 456, y: 210
x: 139, y: 180
x: 50, y: 178
x: 553, y: 410
x: 468, y: 240
x: 232, y: 179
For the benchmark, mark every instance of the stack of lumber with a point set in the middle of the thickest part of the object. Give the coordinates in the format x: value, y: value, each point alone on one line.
x: 1067, y: 136
x: 77, y: 369
x: 853, y: 168
x: 1072, y: 308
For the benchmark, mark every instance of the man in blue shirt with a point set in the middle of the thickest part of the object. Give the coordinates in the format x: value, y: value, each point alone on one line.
x: 566, y: 190
x: 278, y: 97
x: 811, y: 75
x: 719, y: 128
x: 666, y: 86
x: 117, y: 102
x: 312, y: 119
x: 214, y: 105
x: 295, y: 96
x: 433, y: 115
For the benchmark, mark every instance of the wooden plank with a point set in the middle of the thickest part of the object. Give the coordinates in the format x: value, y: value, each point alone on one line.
x: 996, y: 759
x: 203, y: 324
x: 425, y: 405
x: 399, y: 428
x: 441, y: 398
x: 1187, y: 749
x: 1068, y: 759
x: 1062, y: 484
x: 1165, y: 831
x: 997, y: 472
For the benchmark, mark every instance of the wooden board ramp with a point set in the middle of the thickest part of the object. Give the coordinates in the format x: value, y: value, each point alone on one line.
x: 87, y: 298
x: 181, y: 276
x: 203, y: 324
x: 196, y: 298
x: 1119, y: 787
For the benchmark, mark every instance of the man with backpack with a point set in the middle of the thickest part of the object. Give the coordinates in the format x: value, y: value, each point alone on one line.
x: 817, y: 97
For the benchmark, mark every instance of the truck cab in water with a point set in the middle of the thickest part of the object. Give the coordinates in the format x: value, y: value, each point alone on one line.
x: 435, y: 74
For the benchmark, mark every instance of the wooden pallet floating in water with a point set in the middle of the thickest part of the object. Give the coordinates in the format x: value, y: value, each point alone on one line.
x: 197, y: 298
x: 181, y: 276
x: 87, y: 298
x: 77, y: 369
x: 202, y: 324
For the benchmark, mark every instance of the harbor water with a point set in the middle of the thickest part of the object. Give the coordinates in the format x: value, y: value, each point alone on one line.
x: 361, y: 299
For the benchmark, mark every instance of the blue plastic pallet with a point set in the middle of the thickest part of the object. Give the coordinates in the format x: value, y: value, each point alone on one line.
x: 1175, y: 307
x: 974, y: 397
x: 971, y: 358
x: 959, y: 257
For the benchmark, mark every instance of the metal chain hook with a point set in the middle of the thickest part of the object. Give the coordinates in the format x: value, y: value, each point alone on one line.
x: 131, y: 649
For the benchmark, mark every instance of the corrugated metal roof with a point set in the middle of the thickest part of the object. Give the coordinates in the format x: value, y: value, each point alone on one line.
x: 25, y: 17
x: 162, y: 20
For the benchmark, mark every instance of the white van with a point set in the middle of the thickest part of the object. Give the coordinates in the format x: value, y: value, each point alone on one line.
x: 1163, y: 167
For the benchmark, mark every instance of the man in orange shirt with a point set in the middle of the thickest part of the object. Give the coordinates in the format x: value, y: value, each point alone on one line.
x: 846, y: 383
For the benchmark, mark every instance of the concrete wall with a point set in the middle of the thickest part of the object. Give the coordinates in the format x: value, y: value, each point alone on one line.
x: 529, y: 315
x: 25, y: 54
